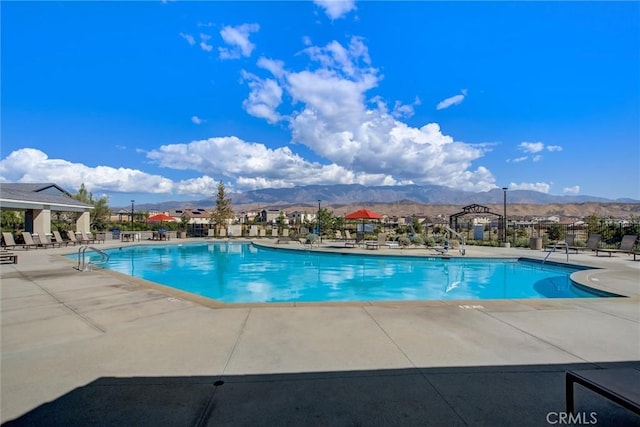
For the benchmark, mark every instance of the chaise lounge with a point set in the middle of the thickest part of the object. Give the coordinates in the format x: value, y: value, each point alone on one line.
x: 626, y: 246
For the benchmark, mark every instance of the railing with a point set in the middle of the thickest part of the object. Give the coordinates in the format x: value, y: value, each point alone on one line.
x: 460, y: 237
x: 83, y: 265
x: 553, y: 249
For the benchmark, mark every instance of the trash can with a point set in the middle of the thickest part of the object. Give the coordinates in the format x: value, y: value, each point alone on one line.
x: 535, y: 243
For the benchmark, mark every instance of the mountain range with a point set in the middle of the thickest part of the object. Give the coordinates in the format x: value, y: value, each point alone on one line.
x: 347, y: 194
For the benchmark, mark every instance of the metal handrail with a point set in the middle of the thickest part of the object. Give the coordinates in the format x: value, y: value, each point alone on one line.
x: 553, y: 249
x: 460, y: 237
x: 83, y: 265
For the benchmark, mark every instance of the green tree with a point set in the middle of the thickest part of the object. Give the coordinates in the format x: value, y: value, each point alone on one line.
x: 223, y: 210
x: 280, y: 221
x: 11, y: 220
x: 555, y: 232
x: 417, y: 225
x: 100, y: 214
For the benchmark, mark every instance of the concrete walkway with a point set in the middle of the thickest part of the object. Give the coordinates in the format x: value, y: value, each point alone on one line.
x: 98, y: 348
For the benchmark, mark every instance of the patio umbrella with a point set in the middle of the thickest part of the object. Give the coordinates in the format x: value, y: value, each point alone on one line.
x: 160, y: 218
x: 363, y: 214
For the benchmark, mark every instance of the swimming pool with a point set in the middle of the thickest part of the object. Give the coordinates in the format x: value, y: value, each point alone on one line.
x: 234, y: 272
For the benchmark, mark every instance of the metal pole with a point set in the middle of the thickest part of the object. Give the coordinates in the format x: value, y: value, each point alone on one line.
x: 504, y: 236
x: 319, y: 234
x: 132, y: 214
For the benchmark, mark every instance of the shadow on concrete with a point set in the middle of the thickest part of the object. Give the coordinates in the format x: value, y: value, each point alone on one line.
x: 522, y: 395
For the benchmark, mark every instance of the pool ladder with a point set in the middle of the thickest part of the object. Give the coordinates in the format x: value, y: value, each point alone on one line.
x: 83, y: 265
x: 553, y: 249
x: 460, y: 237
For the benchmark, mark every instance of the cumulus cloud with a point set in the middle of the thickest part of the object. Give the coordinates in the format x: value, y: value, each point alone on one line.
x: 531, y: 147
x: 336, y: 9
x: 264, y: 99
x: 189, y: 38
x: 572, y: 190
x: 333, y: 117
x: 204, y: 38
x: 454, y: 100
x: 253, y: 165
x: 542, y: 187
x: 32, y: 165
x: 196, y: 120
x: 238, y: 40
x: 553, y: 148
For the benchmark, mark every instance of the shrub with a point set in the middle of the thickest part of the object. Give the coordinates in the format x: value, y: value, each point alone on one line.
x: 417, y: 239
x: 404, y: 241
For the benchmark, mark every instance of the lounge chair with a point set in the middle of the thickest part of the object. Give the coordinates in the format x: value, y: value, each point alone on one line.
x: 593, y: 242
x: 7, y: 240
x: 352, y: 243
x: 8, y: 256
x: 618, y: 385
x: 568, y: 242
x: 99, y: 238
x: 46, y: 240
x: 72, y: 237
x: 29, y: 241
x: 626, y: 246
x: 375, y: 244
x: 60, y: 240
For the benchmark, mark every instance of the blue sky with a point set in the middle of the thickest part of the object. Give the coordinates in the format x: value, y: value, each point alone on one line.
x: 160, y: 101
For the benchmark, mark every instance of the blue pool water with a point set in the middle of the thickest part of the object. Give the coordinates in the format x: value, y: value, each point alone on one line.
x: 242, y: 273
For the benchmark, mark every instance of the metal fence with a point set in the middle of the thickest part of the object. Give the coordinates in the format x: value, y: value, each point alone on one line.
x: 519, y: 234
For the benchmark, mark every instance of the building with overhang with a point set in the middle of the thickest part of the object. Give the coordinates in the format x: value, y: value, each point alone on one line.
x: 38, y: 201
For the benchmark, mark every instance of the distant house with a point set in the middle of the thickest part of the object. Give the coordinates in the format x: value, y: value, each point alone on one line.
x: 269, y: 215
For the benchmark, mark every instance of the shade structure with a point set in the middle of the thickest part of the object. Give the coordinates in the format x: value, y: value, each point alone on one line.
x: 160, y: 218
x: 363, y: 214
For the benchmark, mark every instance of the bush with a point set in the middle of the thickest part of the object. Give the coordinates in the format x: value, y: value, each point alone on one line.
x: 417, y: 240
x: 430, y: 241
x: 404, y: 241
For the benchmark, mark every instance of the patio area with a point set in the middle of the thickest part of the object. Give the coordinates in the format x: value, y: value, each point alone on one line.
x: 97, y: 347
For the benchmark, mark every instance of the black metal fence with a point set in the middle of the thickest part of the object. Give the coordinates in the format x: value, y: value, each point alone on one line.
x: 519, y: 234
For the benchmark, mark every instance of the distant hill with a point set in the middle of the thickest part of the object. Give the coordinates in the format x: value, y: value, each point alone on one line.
x: 338, y: 196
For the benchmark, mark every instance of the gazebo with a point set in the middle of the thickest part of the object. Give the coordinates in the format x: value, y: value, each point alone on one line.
x: 38, y: 201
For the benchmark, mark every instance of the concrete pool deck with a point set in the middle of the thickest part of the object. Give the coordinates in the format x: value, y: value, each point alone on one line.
x: 96, y: 347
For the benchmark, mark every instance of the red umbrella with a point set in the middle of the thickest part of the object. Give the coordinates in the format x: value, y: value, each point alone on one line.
x: 363, y: 214
x: 160, y: 218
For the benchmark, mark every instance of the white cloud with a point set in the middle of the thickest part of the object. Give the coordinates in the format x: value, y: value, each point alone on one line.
x: 196, y: 120
x: 518, y: 159
x: 554, y: 148
x: 264, y: 99
x: 204, y: 38
x: 331, y: 116
x: 405, y: 110
x: 531, y: 147
x: 253, y: 165
x: 336, y: 8
x: 32, y: 165
x: 536, y: 158
x: 542, y: 187
x: 238, y: 40
x: 189, y: 38
x: 572, y: 190
x: 454, y: 100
